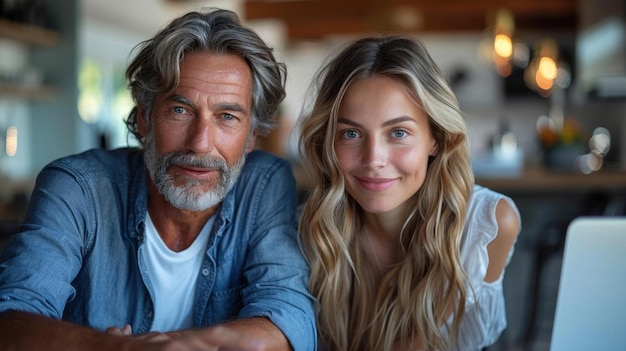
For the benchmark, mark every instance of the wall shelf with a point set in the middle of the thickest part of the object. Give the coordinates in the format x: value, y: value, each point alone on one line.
x: 32, y: 35
x: 28, y: 34
x: 31, y: 93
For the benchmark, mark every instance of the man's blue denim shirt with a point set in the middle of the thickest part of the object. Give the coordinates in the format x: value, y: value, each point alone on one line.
x: 78, y: 255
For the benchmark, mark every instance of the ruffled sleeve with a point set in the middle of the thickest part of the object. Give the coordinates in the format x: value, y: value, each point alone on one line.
x: 485, y: 314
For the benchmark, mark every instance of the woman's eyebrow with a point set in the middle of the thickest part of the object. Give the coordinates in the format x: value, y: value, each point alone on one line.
x: 386, y: 123
x: 399, y: 120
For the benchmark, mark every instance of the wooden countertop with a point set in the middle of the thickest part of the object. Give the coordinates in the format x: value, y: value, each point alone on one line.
x: 535, y: 179
x: 541, y: 179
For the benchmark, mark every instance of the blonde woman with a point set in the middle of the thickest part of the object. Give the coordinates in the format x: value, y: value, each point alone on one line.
x: 406, y: 252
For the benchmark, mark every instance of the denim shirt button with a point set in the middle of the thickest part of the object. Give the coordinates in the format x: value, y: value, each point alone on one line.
x: 205, y: 272
x: 149, y: 314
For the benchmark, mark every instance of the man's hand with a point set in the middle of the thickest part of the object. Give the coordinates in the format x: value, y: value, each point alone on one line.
x: 211, y: 338
x: 127, y: 330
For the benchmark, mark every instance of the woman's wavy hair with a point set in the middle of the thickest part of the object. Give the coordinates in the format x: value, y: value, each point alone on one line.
x: 156, y: 67
x: 418, y: 295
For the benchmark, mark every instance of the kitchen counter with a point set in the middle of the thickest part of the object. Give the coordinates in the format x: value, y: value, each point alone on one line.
x: 535, y: 179
x: 539, y: 179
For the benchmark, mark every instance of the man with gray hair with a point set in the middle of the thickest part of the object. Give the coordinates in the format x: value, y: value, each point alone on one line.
x: 186, y: 243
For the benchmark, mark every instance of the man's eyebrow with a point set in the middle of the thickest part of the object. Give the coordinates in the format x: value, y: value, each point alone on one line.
x: 230, y: 106
x: 227, y: 106
x: 180, y: 99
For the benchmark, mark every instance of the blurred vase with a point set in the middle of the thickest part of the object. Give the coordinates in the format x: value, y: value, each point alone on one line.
x: 563, y: 157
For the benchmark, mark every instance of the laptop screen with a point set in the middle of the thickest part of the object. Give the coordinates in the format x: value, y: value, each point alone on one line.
x: 591, y: 303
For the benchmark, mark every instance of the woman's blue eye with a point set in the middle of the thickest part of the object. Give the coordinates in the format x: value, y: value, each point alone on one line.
x: 351, y: 134
x: 398, y: 133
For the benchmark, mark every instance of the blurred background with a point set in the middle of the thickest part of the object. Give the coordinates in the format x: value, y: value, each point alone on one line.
x: 542, y: 84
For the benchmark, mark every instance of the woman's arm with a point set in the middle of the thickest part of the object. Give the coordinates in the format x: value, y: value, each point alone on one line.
x: 498, y: 249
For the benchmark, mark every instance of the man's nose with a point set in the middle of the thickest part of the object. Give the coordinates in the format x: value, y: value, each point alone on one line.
x: 201, y: 136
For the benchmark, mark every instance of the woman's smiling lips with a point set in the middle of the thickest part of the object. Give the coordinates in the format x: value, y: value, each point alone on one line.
x: 376, y: 184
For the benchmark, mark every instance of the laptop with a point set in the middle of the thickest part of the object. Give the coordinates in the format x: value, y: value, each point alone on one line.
x: 591, y: 302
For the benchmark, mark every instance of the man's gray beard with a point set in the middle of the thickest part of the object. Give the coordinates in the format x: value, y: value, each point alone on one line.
x: 184, y: 197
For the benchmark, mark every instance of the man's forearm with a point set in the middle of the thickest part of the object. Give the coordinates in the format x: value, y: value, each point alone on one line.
x: 262, y: 329
x: 26, y: 331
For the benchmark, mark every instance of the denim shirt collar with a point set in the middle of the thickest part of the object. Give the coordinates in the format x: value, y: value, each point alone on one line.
x: 224, y: 217
x: 139, y: 192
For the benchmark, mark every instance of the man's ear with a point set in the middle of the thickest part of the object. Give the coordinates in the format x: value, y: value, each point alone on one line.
x: 142, y: 125
x: 252, y: 141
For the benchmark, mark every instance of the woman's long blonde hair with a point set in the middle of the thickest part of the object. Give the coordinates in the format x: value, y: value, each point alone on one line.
x: 417, y: 296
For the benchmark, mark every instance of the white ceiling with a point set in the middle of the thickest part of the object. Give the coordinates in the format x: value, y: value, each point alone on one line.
x: 109, y: 29
x: 144, y: 17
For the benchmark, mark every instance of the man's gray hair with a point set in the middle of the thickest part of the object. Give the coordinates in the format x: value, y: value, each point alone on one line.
x: 156, y: 68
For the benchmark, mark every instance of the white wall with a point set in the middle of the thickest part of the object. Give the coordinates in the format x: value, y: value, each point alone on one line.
x: 14, y: 58
x: 109, y: 33
x: 480, y: 93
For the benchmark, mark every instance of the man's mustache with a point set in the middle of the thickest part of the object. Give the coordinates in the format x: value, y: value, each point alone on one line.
x: 190, y: 160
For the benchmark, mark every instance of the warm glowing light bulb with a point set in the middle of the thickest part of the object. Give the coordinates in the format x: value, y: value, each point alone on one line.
x: 503, y: 45
x: 11, y: 141
x: 542, y: 82
x: 547, y: 68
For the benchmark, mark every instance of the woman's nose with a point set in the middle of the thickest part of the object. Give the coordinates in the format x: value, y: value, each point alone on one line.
x: 374, y: 154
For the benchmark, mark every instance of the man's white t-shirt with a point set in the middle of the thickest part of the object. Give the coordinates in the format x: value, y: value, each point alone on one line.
x: 173, y: 276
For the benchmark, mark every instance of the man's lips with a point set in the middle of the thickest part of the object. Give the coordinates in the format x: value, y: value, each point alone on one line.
x: 195, y: 172
x: 376, y: 184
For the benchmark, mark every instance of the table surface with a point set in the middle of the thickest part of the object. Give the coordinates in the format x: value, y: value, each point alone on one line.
x: 541, y: 179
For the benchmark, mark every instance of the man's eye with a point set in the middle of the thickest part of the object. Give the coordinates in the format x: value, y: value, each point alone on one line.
x: 178, y: 109
x: 228, y: 116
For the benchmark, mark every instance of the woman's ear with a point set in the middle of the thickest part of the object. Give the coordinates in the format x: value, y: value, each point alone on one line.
x: 434, y: 149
